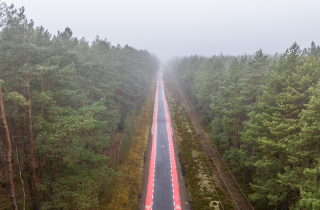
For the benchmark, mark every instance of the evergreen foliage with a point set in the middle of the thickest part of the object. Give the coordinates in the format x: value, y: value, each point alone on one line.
x: 263, y: 113
x: 63, y: 101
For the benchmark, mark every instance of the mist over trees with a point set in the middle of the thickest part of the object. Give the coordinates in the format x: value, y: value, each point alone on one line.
x: 62, y: 100
x: 263, y: 114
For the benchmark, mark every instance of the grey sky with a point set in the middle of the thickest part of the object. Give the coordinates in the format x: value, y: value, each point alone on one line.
x: 183, y: 27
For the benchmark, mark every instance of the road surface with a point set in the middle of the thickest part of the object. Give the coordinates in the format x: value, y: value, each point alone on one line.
x: 163, y: 187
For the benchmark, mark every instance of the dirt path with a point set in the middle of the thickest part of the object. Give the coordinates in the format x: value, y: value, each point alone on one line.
x: 225, y: 178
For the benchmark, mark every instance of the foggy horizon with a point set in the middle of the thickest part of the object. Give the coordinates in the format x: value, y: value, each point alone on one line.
x: 183, y: 28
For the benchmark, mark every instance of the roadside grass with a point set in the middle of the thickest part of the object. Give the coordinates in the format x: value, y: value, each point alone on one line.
x: 238, y: 174
x: 198, y: 166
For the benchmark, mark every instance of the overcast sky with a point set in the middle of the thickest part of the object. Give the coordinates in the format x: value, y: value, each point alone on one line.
x: 183, y: 27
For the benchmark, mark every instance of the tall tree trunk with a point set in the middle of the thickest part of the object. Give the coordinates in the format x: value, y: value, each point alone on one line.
x: 18, y: 161
x: 9, y: 153
x: 118, y: 107
x: 2, y: 166
x: 33, y: 159
x: 218, y: 144
x: 287, y: 197
x: 244, y: 178
x: 42, y: 93
x: 26, y: 154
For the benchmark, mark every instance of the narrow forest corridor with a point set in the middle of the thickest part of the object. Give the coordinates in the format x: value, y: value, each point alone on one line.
x: 126, y: 105
x: 163, y: 188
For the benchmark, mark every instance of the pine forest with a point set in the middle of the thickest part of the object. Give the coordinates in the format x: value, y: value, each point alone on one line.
x: 72, y: 110
x: 263, y: 114
x: 62, y: 100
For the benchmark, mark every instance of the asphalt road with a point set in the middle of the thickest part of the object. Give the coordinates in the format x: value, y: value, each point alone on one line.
x: 163, y: 189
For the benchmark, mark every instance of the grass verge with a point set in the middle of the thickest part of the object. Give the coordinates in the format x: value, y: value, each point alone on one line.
x: 204, y: 192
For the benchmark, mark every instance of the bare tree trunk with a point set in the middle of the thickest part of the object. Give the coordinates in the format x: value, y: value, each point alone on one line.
x: 26, y: 155
x: 42, y: 93
x: 287, y: 197
x: 4, y: 172
x: 118, y: 107
x: 9, y: 153
x: 119, y: 148
x: 244, y: 178
x: 18, y: 161
x: 33, y: 159
x: 22, y: 182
